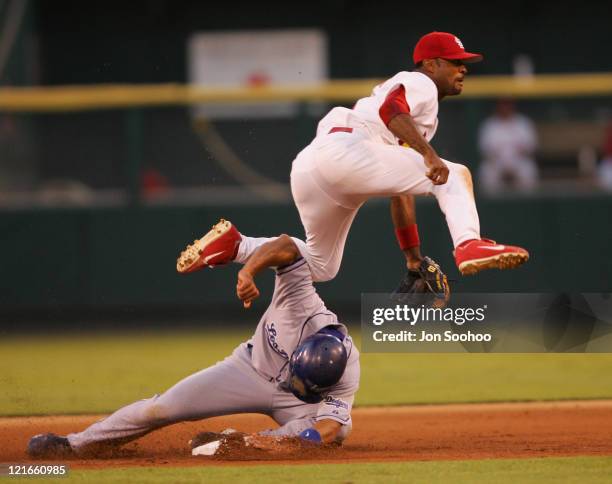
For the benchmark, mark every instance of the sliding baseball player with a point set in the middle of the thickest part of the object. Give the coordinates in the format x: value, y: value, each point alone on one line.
x: 300, y: 367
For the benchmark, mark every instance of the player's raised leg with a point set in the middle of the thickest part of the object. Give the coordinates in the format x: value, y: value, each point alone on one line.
x: 474, y: 254
x: 405, y: 172
x: 221, y: 245
x: 326, y: 219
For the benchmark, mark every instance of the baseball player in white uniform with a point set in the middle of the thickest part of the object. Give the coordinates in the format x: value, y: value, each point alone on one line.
x: 361, y: 153
x: 271, y: 373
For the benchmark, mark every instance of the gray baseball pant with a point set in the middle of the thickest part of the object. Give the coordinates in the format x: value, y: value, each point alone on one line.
x: 229, y: 387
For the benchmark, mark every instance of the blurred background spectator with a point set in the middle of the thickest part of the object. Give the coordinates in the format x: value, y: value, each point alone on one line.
x: 507, y: 141
x: 605, y: 167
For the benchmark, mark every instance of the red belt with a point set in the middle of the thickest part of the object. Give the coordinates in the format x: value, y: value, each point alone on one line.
x: 340, y: 129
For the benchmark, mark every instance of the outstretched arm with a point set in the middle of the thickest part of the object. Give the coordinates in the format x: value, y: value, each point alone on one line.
x: 403, y: 214
x: 278, y: 252
x: 210, y: 443
x: 328, y: 430
x: 404, y: 128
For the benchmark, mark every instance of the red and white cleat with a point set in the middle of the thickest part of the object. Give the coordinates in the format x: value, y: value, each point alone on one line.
x: 479, y: 254
x: 219, y: 246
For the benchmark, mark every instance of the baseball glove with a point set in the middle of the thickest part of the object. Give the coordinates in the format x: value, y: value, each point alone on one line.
x: 427, y: 285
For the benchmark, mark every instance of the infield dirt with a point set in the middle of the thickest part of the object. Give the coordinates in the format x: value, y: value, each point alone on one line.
x: 440, y: 432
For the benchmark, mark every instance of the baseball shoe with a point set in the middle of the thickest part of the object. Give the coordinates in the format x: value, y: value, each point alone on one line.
x: 49, y: 445
x: 479, y: 254
x: 219, y: 246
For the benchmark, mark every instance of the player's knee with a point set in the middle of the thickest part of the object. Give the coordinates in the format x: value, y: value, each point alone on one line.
x: 465, y: 173
x: 157, y: 413
x: 461, y: 173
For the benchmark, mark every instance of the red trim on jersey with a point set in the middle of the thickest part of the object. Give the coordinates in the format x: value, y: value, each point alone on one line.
x: 394, y: 104
x: 340, y: 129
x: 408, y: 237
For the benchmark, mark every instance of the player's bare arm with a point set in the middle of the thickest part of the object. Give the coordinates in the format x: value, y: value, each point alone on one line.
x: 424, y: 275
x: 448, y: 76
x: 404, y: 128
x: 328, y: 430
x: 279, y: 252
x: 403, y: 215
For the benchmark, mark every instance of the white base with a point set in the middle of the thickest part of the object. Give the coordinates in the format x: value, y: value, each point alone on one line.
x: 207, y: 449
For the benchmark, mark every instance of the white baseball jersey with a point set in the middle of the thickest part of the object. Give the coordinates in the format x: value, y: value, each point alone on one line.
x: 361, y: 159
x: 422, y: 99
x: 507, y: 142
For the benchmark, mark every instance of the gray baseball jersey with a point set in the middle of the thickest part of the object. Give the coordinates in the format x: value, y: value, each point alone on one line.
x: 249, y: 380
x: 295, y: 313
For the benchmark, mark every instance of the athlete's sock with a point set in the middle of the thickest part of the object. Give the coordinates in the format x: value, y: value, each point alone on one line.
x: 248, y: 245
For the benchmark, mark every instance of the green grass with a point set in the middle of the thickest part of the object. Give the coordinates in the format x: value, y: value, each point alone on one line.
x: 393, y: 379
x: 501, y: 471
x: 98, y: 373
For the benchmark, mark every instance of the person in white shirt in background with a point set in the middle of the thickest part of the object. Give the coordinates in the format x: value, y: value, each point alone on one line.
x: 604, y: 171
x: 507, y: 142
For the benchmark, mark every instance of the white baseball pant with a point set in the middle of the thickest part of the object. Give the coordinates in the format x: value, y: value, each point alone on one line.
x: 338, y: 172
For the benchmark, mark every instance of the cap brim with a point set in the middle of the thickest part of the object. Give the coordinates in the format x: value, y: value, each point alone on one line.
x: 467, y: 57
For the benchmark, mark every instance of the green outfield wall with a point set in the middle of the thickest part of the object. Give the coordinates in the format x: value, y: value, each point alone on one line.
x: 118, y: 257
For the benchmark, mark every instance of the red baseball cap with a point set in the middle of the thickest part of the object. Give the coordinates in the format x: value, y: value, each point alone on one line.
x: 443, y: 45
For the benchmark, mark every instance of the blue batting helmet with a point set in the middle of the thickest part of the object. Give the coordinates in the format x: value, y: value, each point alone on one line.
x: 316, y: 364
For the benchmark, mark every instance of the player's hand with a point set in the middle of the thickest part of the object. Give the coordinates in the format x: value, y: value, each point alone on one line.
x: 246, y: 290
x: 426, y: 284
x: 273, y: 444
x: 438, y: 171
